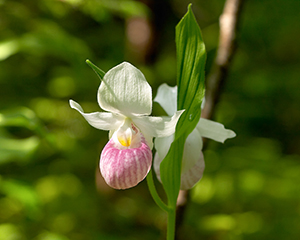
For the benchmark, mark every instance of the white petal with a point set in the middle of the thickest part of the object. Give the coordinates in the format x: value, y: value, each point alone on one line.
x: 124, y: 90
x: 203, y: 103
x: 167, y: 98
x: 214, y: 130
x: 157, y: 126
x: 100, y: 120
x: 162, y: 146
x: 156, y: 165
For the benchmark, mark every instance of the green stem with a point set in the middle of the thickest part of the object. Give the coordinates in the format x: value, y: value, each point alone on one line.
x: 154, y: 193
x: 171, y: 224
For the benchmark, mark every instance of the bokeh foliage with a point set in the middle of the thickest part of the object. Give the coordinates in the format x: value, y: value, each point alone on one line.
x: 50, y: 187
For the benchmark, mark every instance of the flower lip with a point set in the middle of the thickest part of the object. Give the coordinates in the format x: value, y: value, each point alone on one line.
x: 124, y: 168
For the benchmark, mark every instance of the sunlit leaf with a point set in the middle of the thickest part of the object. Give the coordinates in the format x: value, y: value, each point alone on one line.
x: 191, y: 58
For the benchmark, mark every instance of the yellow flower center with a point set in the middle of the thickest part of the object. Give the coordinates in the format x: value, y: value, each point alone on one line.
x: 125, y: 133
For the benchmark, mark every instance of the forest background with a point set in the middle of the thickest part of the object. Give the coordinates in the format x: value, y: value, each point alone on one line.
x: 50, y: 186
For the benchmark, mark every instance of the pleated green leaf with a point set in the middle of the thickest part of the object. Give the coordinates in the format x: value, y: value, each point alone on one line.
x: 191, y: 57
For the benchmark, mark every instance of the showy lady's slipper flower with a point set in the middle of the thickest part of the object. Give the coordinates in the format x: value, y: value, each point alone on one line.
x: 192, y: 161
x: 127, y: 97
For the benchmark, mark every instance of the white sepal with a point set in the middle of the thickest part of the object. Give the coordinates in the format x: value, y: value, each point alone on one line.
x: 167, y: 98
x: 125, y: 90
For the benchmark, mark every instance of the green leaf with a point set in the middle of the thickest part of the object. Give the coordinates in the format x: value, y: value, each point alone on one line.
x: 97, y: 70
x: 191, y: 57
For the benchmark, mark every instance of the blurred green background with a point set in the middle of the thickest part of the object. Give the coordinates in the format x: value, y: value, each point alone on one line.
x: 50, y: 187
